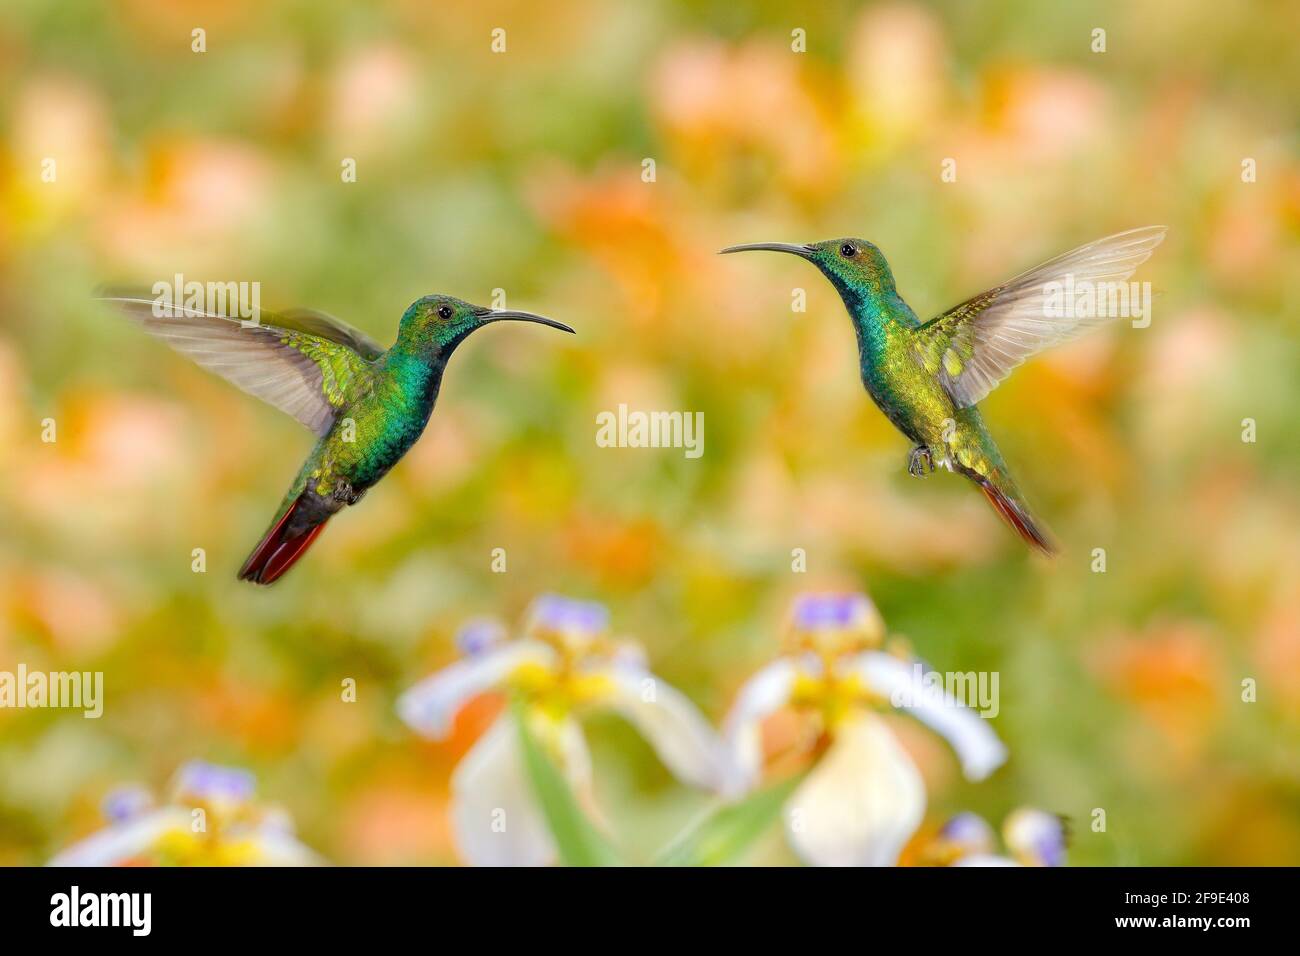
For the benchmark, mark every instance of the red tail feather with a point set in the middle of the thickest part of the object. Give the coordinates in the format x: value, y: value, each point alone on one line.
x: 1015, y: 514
x: 281, y: 548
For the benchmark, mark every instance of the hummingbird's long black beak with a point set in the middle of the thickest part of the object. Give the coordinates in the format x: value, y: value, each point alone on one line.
x: 803, y: 252
x: 512, y: 315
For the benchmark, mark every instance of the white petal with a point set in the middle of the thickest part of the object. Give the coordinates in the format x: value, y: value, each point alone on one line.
x: 679, y: 733
x: 977, y: 746
x: 760, y: 696
x: 431, y: 705
x: 116, y: 844
x: 985, y: 859
x: 861, y: 803
x: 1035, y: 837
x: 495, y: 818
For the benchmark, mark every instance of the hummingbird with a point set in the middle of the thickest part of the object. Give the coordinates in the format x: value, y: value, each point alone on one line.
x: 366, y: 405
x: 928, y: 377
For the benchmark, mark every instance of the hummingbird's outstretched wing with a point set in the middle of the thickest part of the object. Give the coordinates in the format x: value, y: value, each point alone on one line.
x: 975, y: 345
x: 304, y: 373
x: 327, y: 326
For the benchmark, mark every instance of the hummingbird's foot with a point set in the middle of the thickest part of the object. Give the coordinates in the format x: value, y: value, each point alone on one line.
x: 921, y: 462
x: 344, y: 492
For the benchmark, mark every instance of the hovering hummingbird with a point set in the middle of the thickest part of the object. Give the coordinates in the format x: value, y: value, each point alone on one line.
x: 928, y: 377
x: 367, y: 406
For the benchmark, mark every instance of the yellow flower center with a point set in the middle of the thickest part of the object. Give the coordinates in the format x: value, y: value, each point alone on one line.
x: 557, y: 691
x: 832, y: 698
x: 181, y: 847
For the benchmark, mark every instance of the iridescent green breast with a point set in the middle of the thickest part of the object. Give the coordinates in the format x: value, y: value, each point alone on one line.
x: 383, y: 420
x: 910, y: 397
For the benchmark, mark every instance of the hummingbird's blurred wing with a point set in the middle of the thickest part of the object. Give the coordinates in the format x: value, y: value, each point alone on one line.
x: 975, y: 345
x: 302, y: 373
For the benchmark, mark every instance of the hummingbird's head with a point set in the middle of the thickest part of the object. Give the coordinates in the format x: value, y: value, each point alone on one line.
x: 441, y: 322
x: 854, y: 266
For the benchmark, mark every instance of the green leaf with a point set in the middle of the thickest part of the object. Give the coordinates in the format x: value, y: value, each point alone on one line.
x: 577, y: 839
x: 723, y: 835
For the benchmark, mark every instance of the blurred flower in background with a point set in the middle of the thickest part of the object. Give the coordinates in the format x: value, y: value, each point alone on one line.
x: 210, y: 819
x: 1032, y: 838
x: 863, y: 797
x: 563, y: 664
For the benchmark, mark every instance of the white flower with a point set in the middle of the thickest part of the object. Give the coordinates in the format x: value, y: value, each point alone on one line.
x: 1033, y: 838
x: 971, y: 737
x: 564, y: 664
x: 861, y: 803
x: 210, y: 821
x: 863, y: 799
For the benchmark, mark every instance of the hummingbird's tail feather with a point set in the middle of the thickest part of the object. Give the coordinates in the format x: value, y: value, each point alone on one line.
x: 1015, y: 513
x: 975, y: 455
x: 286, y: 542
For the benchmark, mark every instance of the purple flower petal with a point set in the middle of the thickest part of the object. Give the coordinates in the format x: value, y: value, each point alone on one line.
x: 555, y: 613
x: 969, y: 831
x: 213, y: 782
x: 125, y: 803
x: 478, y: 635
x: 815, y: 612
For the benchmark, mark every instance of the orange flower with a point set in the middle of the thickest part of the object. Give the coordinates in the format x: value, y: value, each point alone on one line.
x: 717, y: 106
x: 1172, y: 674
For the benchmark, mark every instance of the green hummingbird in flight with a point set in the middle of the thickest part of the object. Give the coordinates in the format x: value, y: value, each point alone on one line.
x: 927, y: 377
x: 366, y: 405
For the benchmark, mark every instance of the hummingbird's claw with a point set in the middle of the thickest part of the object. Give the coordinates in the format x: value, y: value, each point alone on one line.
x: 920, y: 462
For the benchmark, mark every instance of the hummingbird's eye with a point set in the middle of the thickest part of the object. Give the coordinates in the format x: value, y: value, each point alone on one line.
x: 848, y: 250
x: 444, y: 311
